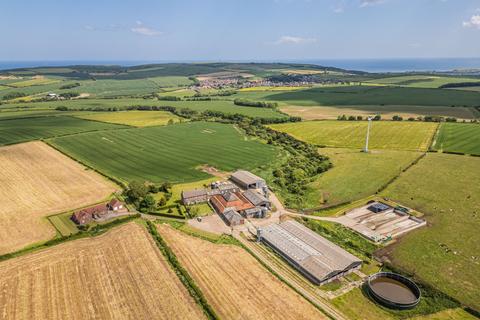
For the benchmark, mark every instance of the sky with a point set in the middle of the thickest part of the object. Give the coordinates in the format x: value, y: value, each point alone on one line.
x: 221, y: 30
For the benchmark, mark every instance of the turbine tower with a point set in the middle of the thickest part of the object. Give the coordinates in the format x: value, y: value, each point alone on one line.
x: 368, y: 134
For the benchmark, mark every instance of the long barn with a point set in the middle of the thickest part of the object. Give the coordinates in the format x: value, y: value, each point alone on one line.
x: 318, y: 259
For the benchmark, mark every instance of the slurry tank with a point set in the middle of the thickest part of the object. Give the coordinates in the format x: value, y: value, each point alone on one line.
x: 393, y: 290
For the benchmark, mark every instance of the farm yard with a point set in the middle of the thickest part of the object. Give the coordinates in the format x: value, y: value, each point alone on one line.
x: 169, y: 153
x: 132, y: 118
x: 36, y: 181
x: 458, y: 137
x: 445, y: 187
x: 356, y: 175
x: 237, y: 287
x: 26, y: 129
x: 105, y: 277
x: 414, y: 136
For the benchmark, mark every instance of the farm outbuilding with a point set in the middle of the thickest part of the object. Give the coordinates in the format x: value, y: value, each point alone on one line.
x: 232, y: 218
x: 257, y: 199
x: 190, y: 197
x: 247, y: 180
x: 318, y: 259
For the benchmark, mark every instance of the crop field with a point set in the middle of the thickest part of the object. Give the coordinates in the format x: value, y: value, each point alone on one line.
x: 237, y: 287
x: 118, y: 275
x: 132, y: 118
x: 379, y: 95
x: 458, y: 137
x: 170, y: 153
x: 199, y: 106
x: 35, y: 181
x: 444, y: 254
x: 356, y: 175
x: 387, y: 112
x: 113, y: 88
x: 422, y: 81
x: 415, y: 136
x: 171, y: 81
x: 26, y: 129
x: 32, y: 90
x: 33, y: 82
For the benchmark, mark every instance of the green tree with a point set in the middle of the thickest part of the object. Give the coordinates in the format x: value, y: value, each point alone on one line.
x: 148, y: 202
x: 136, y: 191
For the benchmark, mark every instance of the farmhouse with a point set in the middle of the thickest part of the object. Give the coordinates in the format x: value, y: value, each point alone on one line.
x: 318, y: 259
x: 247, y: 180
x: 87, y: 215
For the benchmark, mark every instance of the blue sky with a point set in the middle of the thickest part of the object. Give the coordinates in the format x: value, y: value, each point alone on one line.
x: 237, y: 30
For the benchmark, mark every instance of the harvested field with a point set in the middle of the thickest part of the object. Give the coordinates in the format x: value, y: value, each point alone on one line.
x: 119, y: 275
x: 237, y: 287
x: 35, y: 181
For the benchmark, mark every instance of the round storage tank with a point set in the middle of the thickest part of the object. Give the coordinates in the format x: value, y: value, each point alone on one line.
x: 393, y: 290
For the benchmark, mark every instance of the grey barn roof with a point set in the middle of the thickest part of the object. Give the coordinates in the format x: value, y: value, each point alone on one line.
x: 315, y: 254
x: 194, y: 193
x: 254, y: 197
x: 246, y: 177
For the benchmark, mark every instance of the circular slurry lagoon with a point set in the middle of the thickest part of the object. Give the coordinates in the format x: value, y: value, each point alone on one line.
x: 393, y: 290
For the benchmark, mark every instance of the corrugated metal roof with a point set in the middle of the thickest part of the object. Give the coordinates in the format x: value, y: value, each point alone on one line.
x: 315, y: 254
x: 246, y: 177
x: 255, y: 197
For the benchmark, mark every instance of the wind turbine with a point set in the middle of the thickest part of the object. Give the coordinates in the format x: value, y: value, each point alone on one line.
x: 368, y: 134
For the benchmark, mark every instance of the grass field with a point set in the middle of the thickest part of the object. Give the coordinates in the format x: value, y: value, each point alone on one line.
x: 35, y: 181
x: 387, y: 112
x: 64, y: 224
x: 170, y: 153
x: 445, y: 254
x: 118, y: 275
x: 171, y: 81
x: 132, y: 118
x: 26, y: 129
x: 351, y: 134
x: 237, y: 287
x: 422, y: 81
x: 458, y: 137
x: 356, y: 175
x: 368, y: 95
x: 199, y: 106
x: 33, y: 82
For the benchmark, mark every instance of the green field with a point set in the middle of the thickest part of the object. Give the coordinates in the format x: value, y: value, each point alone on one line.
x: 351, y: 134
x: 422, y: 81
x: 64, y: 224
x: 371, y: 95
x: 132, y: 118
x: 171, y: 81
x: 356, y: 175
x: 445, y: 253
x: 170, y: 153
x: 199, y: 106
x: 458, y: 137
x: 26, y: 129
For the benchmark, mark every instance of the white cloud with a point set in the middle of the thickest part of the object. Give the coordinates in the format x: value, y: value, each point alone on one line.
x: 474, y: 22
x: 369, y: 3
x: 294, y: 40
x: 143, y: 30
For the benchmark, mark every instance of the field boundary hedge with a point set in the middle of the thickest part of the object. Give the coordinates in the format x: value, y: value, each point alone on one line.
x: 181, y: 273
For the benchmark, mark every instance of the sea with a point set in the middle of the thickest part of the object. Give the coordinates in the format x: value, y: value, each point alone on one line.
x: 368, y: 65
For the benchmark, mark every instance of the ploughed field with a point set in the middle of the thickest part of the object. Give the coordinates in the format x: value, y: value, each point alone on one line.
x: 234, y: 283
x: 132, y: 118
x: 118, y: 275
x: 170, y: 153
x: 36, y: 181
x: 26, y: 129
x: 445, y: 253
x: 415, y: 136
x: 458, y: 137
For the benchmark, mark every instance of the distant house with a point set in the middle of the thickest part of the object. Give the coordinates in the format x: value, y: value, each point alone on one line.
x: 52, y: 95
x: 247, y: 180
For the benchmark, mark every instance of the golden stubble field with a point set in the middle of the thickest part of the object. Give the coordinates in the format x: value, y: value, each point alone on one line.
x: 35, y: 181
x: 234, y: 283
x: 118, y: 275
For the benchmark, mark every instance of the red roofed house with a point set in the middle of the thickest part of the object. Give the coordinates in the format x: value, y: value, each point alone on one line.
x: 89, y: 214
x: 230, y: 200
x: 115, y: 205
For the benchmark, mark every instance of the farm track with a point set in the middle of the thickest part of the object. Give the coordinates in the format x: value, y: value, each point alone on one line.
x: 237, y: 287
x: 106, y: 277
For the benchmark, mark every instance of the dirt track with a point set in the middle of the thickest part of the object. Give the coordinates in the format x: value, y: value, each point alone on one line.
x: 119, y: 275
x: 234, y: 283
x: 35, y: 181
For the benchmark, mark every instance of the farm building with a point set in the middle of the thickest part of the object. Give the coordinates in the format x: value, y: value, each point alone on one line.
x: 257, y: 212
x: 257, y: 199
x: 232, y: 218
x: 190, y: 197
x: 225, y: 202
x: 87, y: 215
x: 247, y: 180
x: 315, y: 257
